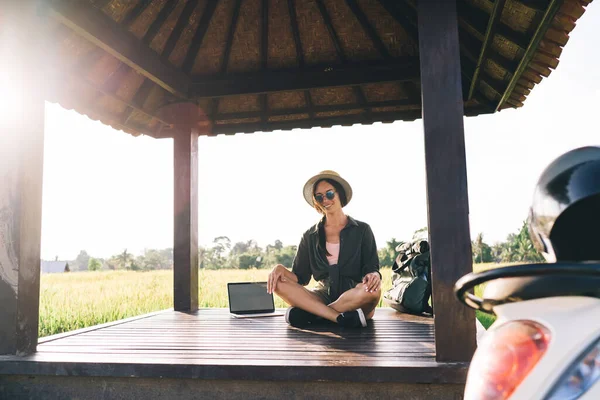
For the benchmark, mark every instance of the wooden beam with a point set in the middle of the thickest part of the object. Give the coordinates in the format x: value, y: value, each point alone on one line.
x: 447, y: 196
x: 487, y: 41
x: 474, y: 17
x: 114, y: 80
x: 296, y: 33
x: 84, y: 63
x: 21, y: 174
x: 139, y: 99
x: 136, y: 12
x: 104, y: 32
x: 317, y: 109
x: 468, y: 16
x: 264, y: 35
x: 470, y: 45
x: 214, y: 106
x: 368, y: 28
x: 414, y: 91
x: 62, y: 95
x: 100, y: 4
x: 404, y: 16
x: 345, y: 120
x: 190, y: 57
x: 309, y: 104
x: 468, y: 63
x: 361, y: 98
x: 306, y: 78
x: 230, y: 35
x: 468, y: 67
x: 405, y: 13
x: 537, y: 5
x: 183, y: 20
x: 299, y: 51
x: 539, y: 34
x: 159, y: 22
x: 358, y: 93
x: 110, y: 92
x: 264, y: 54
x: 332, y: 34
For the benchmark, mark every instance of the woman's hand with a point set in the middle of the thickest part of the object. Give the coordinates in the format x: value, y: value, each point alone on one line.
x: 276, y: 275
x: 372, y: 282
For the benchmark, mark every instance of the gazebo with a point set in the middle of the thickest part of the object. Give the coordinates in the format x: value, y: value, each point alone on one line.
x: 180, y: 69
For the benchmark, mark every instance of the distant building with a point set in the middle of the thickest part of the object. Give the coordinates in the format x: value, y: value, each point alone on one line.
x: 54, y: 267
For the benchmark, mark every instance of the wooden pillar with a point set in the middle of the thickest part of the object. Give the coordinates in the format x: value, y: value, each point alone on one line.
x: 21, y: 163
x: 447, y: 198
x: 188, y: 121
x: 185, y: 240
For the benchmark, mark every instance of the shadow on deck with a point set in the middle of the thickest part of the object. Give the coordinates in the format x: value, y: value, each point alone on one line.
x: 209, y: 354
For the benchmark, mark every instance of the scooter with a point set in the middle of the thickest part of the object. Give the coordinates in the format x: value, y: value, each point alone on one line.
x: 545, y: 342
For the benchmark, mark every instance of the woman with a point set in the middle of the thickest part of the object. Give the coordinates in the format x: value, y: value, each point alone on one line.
x: 340, y: 253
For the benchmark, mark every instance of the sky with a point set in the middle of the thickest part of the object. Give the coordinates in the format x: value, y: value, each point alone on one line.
x: 105, y: 191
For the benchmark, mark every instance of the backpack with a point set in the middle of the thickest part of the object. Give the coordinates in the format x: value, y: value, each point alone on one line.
x: 411, y: 279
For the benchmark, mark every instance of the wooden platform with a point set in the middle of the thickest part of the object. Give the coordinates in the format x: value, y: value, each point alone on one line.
x: 395, y: 350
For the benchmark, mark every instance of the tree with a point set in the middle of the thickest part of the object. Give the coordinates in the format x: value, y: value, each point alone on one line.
x: 387, y: 255
x: 286, y: 255
x: 81, y: 261
x: 167, y: 255
x: 154, y: 259
x: 112, y: 263
x: 201, y: 257
x: 421, y: 234
x: 278, y: 245
x: 94, y: 264
x: 211, y: 259
x: 135, y: 264
x: 523, y: 248
x: 124, y: 259
x: 482, y: 252
x: 247, y: 261
x: 222, y: 244
x: 239, y: 248
x: 244, y: 247
x: 517, y: 248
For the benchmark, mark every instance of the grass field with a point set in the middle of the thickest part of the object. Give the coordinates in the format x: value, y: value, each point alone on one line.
x: 77, y: 300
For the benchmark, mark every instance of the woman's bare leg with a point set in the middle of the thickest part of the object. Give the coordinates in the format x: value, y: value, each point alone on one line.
x: 298, y: 296
x: 356, y: 298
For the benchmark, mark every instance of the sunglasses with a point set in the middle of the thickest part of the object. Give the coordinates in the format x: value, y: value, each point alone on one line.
x: 330, y: 195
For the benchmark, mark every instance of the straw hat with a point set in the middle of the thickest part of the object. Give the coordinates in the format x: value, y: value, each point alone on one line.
x: 327, y: 174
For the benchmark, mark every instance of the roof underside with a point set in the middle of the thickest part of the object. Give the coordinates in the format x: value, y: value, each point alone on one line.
x: 262, y: 65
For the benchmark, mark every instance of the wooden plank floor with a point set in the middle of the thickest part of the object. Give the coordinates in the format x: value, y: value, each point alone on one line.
x: 209, y: 344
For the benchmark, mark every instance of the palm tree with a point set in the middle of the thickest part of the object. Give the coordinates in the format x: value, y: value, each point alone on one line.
x: 124, y: 259
x: 479, y: 246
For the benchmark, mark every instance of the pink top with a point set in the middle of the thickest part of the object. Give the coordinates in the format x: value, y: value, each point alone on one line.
x: 334, y: 250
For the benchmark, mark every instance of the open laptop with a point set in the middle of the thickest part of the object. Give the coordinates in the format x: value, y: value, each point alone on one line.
x: 250, y: 300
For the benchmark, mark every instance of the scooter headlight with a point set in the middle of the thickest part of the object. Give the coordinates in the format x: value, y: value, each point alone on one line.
x: 579, y: 377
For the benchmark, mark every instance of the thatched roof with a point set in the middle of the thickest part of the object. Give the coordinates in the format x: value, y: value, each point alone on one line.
x: 260, y: 65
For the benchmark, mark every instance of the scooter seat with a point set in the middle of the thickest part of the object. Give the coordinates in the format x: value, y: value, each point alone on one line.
x: 529, y: 288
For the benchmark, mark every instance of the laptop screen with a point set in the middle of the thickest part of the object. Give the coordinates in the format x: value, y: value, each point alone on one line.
x: 249, y: 297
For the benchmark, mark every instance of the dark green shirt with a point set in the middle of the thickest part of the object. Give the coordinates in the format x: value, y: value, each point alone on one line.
x: 358, y: 257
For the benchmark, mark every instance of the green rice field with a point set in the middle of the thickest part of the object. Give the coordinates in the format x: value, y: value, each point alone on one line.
x: 81, y: 299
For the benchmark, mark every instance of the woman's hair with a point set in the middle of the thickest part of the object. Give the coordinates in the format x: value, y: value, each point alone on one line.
x: 321, y: 247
